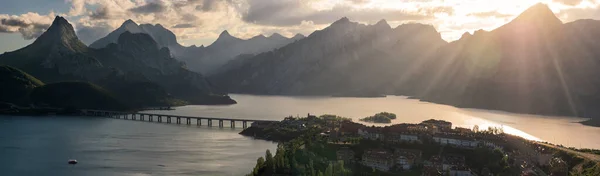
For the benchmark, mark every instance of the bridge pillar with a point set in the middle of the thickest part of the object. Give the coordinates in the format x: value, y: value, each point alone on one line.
x: 150, y: 118
x: 142, y: 117
x: 133, y: 116
x: 178, y: 120
x: 159, y: 118
x: 209, y: 122
x: 199, y: 122
x: 221, y: 123
x: 168, y: 119
x: 245, y: 124
x: 189, y: 121
x: 232, y: 124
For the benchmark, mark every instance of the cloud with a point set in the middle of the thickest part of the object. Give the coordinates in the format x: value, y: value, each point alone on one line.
x: 290, y: 13
x: 207, y: 5
x: 102, y: 12
x: 568, y: 2
x: 151, y: 7
x: 30, y: 25
x: 89, y: 34
x: 490, y: 14
x: 184, y: 26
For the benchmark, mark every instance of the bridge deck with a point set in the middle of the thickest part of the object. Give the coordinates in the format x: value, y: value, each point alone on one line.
x: 179, y: 116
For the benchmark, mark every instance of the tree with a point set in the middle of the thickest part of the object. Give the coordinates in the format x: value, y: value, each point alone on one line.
x: 260, y: 163
x: 269, y: 163
x: 476, y: 128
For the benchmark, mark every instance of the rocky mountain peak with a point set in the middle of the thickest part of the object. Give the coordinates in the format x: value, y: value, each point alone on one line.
x: 382, y: 23
x: 277, y: 36
x: 60, y: 33
x: 342, y: 20
x: 136, y: 42
x: 539, y: 15
x: 298, y: 36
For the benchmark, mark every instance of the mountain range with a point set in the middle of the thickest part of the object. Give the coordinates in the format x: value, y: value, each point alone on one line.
x: 533, y: 64
x: 201, y: 59
x: 136, y: 69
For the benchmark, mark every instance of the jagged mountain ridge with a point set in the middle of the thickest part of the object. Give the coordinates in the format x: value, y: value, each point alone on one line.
x: 58, y: 55
x: 200, y: 59
x: 533, y: 64
x: 346, y: 58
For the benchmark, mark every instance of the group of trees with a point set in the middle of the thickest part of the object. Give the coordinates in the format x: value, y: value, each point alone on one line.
x: 297, y: 157
x: 383, y: 117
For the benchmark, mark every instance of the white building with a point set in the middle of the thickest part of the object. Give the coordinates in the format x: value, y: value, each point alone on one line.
x: 407, y: 158
x: 370, y: 134
x: 455, y: 141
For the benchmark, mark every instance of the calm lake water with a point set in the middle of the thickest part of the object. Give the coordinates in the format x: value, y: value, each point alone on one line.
x: 42, y: 146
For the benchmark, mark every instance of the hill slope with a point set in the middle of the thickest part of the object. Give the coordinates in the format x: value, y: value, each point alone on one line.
x: 78, y: 95
x: 16, y: 85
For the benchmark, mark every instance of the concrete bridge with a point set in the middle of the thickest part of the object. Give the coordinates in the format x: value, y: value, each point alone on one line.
x: 160, y: 118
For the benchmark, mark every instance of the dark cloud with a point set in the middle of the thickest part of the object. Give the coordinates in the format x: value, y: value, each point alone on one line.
x: 149, y: 8
x: 101, y: 13
x: 189, y: 17
x: 289, y: 13
x: 90, y: 34
x: 207, y: 5
x: 28, y: 30
x: 14, y: 22
x: 184, y: 26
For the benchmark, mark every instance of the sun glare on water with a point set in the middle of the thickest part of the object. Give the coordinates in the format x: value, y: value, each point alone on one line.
x: 471, y: 121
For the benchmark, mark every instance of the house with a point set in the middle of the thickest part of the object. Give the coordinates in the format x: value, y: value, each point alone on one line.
x: 443, y: 125
x: 407, y: 158
x: 460, y: 171
x: 345, y: 154
x: 492, y: 145
x: 371, y: 134
x: 456, y: 140
x: 379, y: 159
x: 396, y: 137
x: 417, y: 128
x: 463, y: 130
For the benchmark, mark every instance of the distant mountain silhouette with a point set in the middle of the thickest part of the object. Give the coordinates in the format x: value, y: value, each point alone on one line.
x: 58, y: 55
x: 346, y: 58
x: 200, y: 59
x: 533, y: 64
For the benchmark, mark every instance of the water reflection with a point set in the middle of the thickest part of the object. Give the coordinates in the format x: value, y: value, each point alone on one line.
x: 561, y: 130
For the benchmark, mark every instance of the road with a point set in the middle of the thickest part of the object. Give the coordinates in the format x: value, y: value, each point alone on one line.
x: 589, y: 156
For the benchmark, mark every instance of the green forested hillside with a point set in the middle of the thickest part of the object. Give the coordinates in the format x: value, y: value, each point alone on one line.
x: 78, y: 95
x: 16, y: 85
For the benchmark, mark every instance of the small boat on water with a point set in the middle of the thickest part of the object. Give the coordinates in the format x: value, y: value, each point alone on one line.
x: 72, y: 161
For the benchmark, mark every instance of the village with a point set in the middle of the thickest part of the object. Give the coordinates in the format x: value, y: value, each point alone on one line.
x: 430, y: 148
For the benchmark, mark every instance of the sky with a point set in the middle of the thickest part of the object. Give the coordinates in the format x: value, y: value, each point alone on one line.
x: 199, y: 22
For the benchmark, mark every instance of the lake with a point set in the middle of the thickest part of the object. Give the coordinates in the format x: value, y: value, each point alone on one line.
x: 103, y: 146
